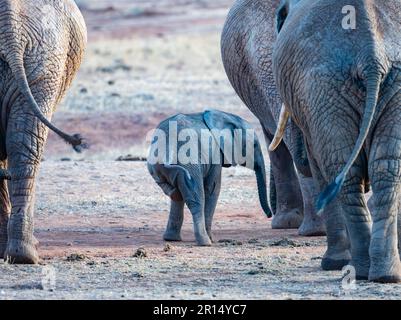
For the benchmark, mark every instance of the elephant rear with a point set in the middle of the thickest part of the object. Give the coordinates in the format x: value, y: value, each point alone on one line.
x: 342, y: 85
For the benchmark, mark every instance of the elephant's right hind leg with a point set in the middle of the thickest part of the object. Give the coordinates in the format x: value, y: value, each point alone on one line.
x: 338, y: 252
x: 176, y: 219
x: 5, y: 211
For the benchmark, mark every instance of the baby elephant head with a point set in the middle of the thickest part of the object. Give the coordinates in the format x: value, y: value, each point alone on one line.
x: 242, y: 149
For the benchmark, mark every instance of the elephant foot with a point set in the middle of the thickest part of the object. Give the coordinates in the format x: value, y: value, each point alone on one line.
x: 312, y: 227
x: 386, y: 273
x: 361, y: 269
x: 172, y: 236
x: 387, y: 279
x: 209, y: 233
x: 287, y: 220
x: 333, y: 265
x: 203, y: 241
x: 19, y: 252
x: 335, y: 261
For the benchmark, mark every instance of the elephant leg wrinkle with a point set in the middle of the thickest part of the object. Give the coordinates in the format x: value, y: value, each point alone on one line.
x: 384, y: 171
x: 358, y: 222
x: 176, y: 219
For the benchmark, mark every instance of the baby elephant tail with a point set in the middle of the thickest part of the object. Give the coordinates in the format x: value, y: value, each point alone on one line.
x: 174, y: 180
x: 181, y: 183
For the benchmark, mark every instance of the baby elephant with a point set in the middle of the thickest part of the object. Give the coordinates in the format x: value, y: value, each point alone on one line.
x: 186, y: 158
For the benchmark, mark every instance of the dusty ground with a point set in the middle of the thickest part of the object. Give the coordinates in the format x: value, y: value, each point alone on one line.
x: 147, y: 60
x: 98, y: 214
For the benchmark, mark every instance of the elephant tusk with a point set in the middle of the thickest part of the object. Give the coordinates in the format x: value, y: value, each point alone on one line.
x: 279, y: 135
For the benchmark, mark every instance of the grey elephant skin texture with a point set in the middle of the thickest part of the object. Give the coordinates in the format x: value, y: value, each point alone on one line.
x: 197, y: 184
x: 42, y: 43
x: 342, y: 87
x: 247, y: 45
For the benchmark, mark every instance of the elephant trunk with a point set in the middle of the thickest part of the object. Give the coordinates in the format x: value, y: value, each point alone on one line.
x: 260, y: 172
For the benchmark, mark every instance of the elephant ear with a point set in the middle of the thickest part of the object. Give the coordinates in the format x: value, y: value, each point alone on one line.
x: 217, y: 121
x: 281, y: 15
x: 283, y: 11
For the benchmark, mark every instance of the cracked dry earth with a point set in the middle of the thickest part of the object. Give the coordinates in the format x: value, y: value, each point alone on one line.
x: 100, y: 221
x: 93, y: 216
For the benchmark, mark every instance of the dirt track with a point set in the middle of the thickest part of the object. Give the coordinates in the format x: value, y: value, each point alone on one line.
x: 147, y: 61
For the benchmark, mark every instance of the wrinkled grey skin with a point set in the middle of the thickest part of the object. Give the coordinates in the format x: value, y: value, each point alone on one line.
x: 247, y: 44
x: 342, y: 87
x: 198, y: 185
x: 41, y: 47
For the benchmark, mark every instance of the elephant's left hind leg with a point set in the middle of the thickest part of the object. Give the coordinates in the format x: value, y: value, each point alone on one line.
x: 176, y: 219
x: 313, y: 225
x: 26, y: 136
x: 5, y: 211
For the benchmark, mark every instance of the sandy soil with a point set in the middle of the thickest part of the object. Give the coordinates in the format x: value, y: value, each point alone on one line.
x: 147, y: 60
x: 93, y: 216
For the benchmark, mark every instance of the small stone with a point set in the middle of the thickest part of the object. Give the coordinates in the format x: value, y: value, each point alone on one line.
x: 130, y: 157
x: 253, y: 241
x: 253, y: 272
x: 137, y: 275
x: 231, y: 242
x: 76, y: 257
x: 140, y: 253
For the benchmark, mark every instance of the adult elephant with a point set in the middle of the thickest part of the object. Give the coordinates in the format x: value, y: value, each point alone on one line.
x: 41, y: 47
x: 247, y: 45
x: 337, y: 65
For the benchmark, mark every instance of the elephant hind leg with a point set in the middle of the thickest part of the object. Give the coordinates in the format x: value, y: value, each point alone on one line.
x: 384, y: 254
x: 358, y: 223
x: 338, y: 253
x: 196, y: 205
x: 289, y: 202
x: 176, y: 219
x: 26, y: 136
x: 212, y: 193
x: 385, y: 174
x: 5, y: 211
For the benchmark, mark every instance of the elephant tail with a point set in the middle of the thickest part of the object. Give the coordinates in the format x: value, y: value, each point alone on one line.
x: 18, y: 70
x: 373, y: 84
x: 175, y: 181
